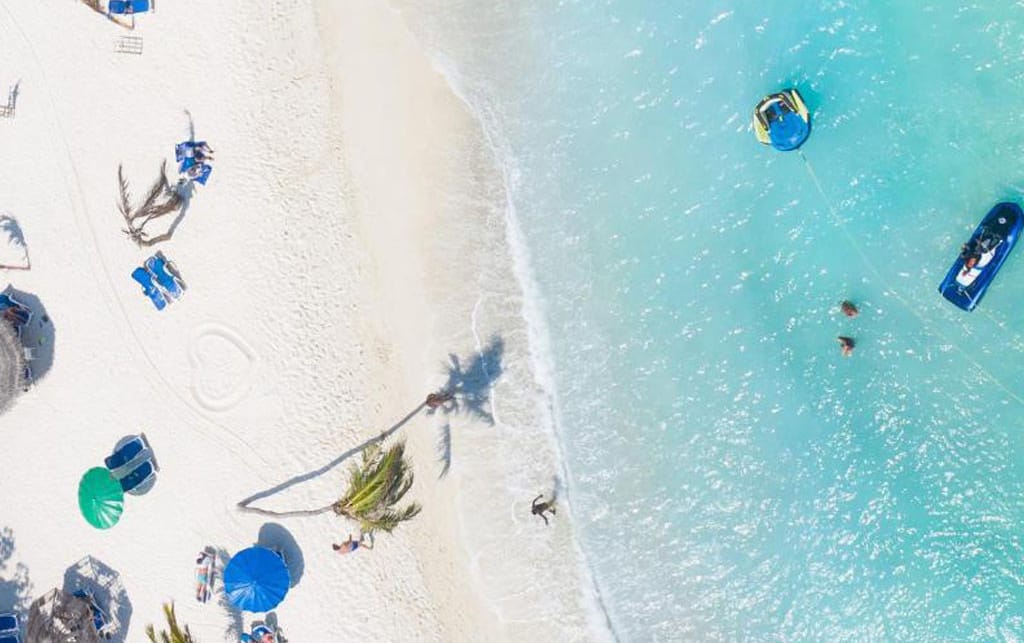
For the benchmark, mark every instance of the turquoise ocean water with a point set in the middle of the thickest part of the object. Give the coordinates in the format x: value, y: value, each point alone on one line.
x: 731, y: 476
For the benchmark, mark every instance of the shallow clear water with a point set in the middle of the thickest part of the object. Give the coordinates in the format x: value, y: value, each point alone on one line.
x: 732, y: 477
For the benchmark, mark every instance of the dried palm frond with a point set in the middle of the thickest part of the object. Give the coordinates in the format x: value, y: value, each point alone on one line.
x: 125, y: 205
x: 159, y: 188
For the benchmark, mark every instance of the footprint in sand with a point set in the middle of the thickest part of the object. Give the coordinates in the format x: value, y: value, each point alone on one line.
x: 224, y: 366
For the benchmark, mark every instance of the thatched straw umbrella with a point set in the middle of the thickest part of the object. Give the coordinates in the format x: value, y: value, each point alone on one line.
x: 12, y: 365
x: 59, y: 617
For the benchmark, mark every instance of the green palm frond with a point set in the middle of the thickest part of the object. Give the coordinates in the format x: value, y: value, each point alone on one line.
x: 176, y: 633
x: 376, y: 487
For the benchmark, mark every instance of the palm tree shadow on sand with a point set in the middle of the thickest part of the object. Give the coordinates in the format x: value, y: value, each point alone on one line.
x: 236, y: 620
x: 15, y: 588
x: 471, y: 383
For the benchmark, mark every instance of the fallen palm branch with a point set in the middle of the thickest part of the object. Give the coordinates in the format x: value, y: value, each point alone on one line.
x: 161, y: 199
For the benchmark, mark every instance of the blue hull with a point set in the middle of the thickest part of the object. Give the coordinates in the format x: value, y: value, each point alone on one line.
x: 963, y: 286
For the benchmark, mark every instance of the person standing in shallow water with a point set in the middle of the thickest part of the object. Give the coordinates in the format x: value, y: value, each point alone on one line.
x: 846, y: 345
x: 848, y: 308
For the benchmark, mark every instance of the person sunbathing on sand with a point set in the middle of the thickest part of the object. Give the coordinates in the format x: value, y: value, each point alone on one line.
x: 350, y: 545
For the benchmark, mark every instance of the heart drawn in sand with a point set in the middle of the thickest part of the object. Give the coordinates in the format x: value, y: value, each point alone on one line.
x: 224, y: 366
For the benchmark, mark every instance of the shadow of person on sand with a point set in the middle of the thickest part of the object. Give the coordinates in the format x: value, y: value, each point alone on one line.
x: 274, y: 536
x: 15, y: 588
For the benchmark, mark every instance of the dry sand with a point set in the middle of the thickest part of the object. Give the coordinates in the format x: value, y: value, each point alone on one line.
x: 333, y: 262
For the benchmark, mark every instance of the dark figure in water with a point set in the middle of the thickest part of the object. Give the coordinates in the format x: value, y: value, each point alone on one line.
x: 846, y: 345
x: 848, y: 308
x: 538, y: 508
x: 434, y: 400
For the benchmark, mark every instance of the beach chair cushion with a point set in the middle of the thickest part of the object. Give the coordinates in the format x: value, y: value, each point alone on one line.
x: 126, y: 453
x: 137, y: 476
x: 8, y: 623
x: 144, y: 278
x: 166, y: 275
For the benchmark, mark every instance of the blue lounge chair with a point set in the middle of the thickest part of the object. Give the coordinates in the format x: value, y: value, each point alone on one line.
x: 140, y: 479
x: 166, y: 274
x: 143, y: 276
x: 10, y: 632
x: 126, y: 453
x: 128, y: 6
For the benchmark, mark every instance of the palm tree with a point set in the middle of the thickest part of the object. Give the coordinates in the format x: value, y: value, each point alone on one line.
x: 374, y: 489
x: 176, y: 635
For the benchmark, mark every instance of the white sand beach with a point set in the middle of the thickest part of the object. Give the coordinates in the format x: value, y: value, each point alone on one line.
x: 351, y: 237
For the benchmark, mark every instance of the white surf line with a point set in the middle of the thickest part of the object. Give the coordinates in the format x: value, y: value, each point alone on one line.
x: 79, y: 212
x: 906, y: 304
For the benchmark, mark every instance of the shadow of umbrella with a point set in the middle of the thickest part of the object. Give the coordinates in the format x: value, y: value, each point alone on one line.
x: 274, y: 536
x: 105, y: 585
x: 59, y: 617
x: 38, y: 334
x: 12, y: 366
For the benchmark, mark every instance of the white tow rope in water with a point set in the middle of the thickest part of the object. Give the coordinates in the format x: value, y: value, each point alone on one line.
x: 891, y: 291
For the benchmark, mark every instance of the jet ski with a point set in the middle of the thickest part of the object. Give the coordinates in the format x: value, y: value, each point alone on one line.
x: 982, y: 256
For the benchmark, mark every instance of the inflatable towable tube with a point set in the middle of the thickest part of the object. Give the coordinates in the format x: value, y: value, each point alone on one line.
x: 782, y: 121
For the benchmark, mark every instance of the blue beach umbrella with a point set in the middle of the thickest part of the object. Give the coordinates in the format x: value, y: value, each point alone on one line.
x: 256, y: 579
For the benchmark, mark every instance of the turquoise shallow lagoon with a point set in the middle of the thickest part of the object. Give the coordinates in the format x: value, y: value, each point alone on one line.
x: 732, y: 477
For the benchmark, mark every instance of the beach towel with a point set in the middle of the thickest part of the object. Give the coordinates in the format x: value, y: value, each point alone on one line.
x: 128, y: 6
x: 198, y: 172
x: 206, y: 570
x: 149, y: 288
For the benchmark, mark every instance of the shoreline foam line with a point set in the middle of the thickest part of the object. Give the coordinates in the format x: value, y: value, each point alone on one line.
x: 532, y: 313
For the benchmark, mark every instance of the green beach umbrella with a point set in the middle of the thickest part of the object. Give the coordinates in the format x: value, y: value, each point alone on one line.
x: 100, y: 498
